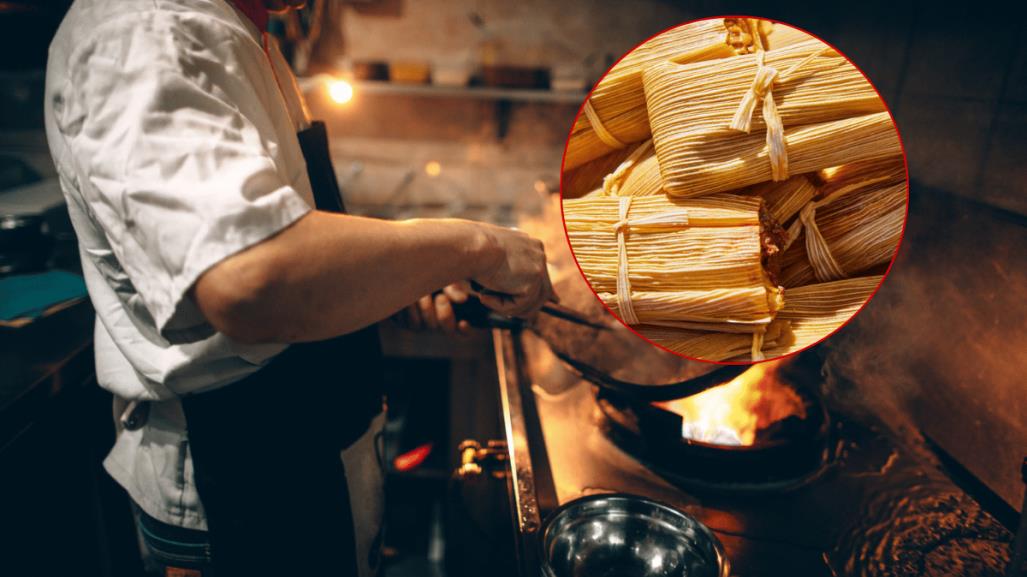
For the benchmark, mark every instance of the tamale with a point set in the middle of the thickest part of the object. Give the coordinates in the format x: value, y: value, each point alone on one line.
x: 639, y: 175
x: 818, y: 110
x: 712, y: 346
x: 618, y: 101
x: 817, y: 310
x: 857, y: 231
x: 699, y: 166
x: 696, y: 260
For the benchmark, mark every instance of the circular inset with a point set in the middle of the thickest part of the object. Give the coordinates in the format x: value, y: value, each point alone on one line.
x: 734, y: 190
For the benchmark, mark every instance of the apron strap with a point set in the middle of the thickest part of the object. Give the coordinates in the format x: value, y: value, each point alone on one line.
x: 327, y: 194
x: 268, y: 450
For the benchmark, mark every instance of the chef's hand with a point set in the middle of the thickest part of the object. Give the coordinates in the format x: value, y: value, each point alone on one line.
x: 520, y: 275
x: 434, y: 312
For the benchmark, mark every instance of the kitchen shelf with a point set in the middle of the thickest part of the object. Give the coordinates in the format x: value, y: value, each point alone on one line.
x: 479, y: 92
x: 474, y: 92
x: 502, y: 98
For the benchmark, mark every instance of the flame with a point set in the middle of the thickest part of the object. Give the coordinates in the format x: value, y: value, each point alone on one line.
x: 732, y: 413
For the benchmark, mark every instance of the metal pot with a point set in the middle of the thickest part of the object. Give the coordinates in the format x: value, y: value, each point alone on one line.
x: 628, y: 536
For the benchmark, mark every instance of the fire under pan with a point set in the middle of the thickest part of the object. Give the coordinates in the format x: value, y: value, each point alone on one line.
x: 796, y: 454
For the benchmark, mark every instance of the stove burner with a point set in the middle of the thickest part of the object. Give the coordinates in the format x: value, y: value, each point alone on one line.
x: 786, y: 455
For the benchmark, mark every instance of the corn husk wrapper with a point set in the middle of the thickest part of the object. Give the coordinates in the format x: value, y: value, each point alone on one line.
x: 839, y: 180
x: 785, y: 199
x: 829, y: 113
x: 643, y: 179
x: 861, y: 230
x: 588, y: 177
x: 815, y: 311
x: 637, y: 174
x: 702, y: 264
x: 714, y: 346
x: 735, y: 162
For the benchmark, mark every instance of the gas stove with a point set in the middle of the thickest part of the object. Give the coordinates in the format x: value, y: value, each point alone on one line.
x: 862, y: 507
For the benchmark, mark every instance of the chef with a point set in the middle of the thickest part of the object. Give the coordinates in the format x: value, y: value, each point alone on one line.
x: 235, y: 301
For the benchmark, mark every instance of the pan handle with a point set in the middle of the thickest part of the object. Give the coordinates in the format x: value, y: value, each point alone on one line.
x: 663, y: 392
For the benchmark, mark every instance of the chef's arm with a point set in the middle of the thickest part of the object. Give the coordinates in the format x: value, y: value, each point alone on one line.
x: 330, y: 274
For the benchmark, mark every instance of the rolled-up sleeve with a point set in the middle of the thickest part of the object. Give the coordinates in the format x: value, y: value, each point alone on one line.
x: 179, y: 156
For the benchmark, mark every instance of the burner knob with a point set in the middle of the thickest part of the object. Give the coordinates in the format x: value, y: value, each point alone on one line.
x: 476, y: 459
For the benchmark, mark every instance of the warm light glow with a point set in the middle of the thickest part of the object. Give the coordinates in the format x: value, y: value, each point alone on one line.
x: 829, y: 172
x: 432, y: 168
x: 732, y: 413
x: 340, y: 91
x: 540, y: 187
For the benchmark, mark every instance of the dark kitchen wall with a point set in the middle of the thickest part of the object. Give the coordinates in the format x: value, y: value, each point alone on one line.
x: 26, y: 27
x: 940, y: 351
x: 529, y: 32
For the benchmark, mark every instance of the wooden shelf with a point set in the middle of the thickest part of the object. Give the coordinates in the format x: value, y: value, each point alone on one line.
x: 433, y: 91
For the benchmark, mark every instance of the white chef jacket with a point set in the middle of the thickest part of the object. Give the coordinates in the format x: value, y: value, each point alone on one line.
x: 175, y: 149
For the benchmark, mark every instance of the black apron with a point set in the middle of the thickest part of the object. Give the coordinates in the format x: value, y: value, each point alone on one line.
x: 267, y: 450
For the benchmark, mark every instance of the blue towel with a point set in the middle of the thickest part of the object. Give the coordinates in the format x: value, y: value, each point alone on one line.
x: 29, y: 296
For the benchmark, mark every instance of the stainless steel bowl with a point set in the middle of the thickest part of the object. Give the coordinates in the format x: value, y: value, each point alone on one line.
x: 628, y: 536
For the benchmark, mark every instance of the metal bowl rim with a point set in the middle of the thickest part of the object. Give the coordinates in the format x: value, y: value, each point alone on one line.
x: 723, y: 565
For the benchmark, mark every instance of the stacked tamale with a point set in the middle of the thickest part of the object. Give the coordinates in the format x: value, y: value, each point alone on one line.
x: 734, y: 190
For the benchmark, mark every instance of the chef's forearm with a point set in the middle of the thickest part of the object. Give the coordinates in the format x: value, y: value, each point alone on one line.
x: 331, y: 274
